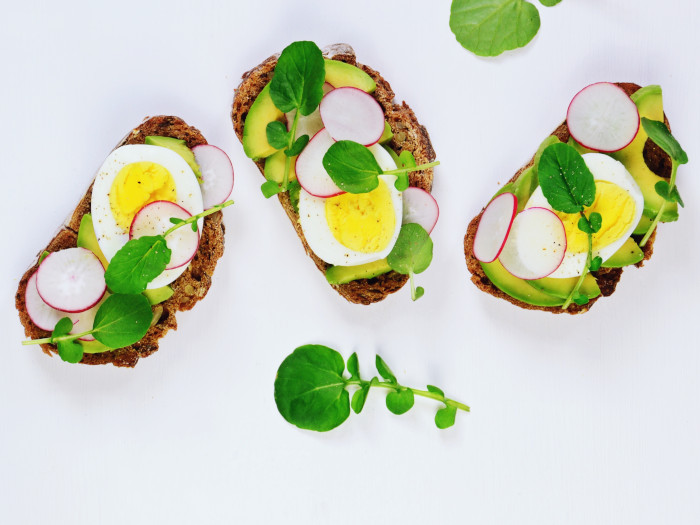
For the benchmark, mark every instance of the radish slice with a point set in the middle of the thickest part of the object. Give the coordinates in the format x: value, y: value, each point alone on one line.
x: 71, y: 280
x: 420, y: 207
x: 602, y: 117
x: 351, y: 114
x: 311, y: 174
x: 309, y: 124
x: 154, y: 219
x: 84, y: 321
x: 217, y: 174
x: 39, y: 312
x: 536, y: 245
x: 494, y: 227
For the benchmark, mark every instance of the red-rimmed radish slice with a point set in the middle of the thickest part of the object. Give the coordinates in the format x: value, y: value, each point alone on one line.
x: 71, y: 280
x: 494, y: 227
x: 84, y: 321
x: 309, y: 124
x: 154, y: 219
x: 217, y: 174
x: 311, y: 174
x: 536, y: 244
x: 39, y: 312
x: 349, y: 113
x: 420, y: 207
x: 602, y: 117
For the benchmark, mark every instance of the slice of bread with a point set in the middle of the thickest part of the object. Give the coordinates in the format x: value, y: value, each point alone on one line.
x: 408, y: 135
x: 658, y: 161
x: 188, y: 289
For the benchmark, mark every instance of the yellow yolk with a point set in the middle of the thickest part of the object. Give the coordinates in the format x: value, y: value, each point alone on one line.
x: 617, y: 209
x: 136, y: 185
x: 363, y: 222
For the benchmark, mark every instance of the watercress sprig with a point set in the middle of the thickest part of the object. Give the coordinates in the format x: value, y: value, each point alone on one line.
x: 412, y: 254
x: 661, y: 136
x: 569, y: 187
x: 297, y: 85
x: 311, y: 390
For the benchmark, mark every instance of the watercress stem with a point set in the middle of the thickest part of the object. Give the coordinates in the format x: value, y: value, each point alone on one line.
x: 195, y: 218
x: 655, y: 222
x: 417, y: 392
x: 415, y: 168
x: 290, y: 143
x: 579, y: 282
x: 50, y: 340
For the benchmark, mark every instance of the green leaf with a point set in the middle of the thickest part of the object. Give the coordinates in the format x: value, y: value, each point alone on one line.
x: 63, y: 327
x: 310, y: 388
x: 69, y: 351
x: 136, y: 264
x: 277, y: 134
x: 445, y: 417
x: 384, y: 370
x: 293, y: 189
x: 580, y: 298
x: 413, y: 250
x: 400, y: 401
x: 43, y: 256
x: 298, y: 79
x: 122, y: 320
x: 676, y: 196
x: 490, y: 27
x: 406, y: 160
x: 549, y: 3
x: 359, y: 398
x: 670, y: 195
x: 194, y: 226
x: 436, y: 390
x: 595, y: 220
x: 352, y: 167
x: 659, y: 133
x: 353, y: 366
x: 420, y: 292
x: 270, y: 188
x: 298, y: 146
x: 596, y: 262
x: 176, y: 220
x: 566, y: 181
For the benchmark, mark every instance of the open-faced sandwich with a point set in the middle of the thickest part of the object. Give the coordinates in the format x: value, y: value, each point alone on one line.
x: 141, y: 245
x: 557, y: 236
x: 352, y: 169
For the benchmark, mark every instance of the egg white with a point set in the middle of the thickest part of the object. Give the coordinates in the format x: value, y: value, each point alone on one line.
x: 312, y: 216
x: 110, y: 236
x: 603, y: 168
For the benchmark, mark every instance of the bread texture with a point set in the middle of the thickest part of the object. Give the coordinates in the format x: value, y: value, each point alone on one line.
x: 188, y: 289
x: 607, y: 278
x: 409, y: 135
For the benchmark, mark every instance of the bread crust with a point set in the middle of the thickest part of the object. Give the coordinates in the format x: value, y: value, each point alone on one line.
x: 188, y: 289
x: 409, y: 135
x: 658, y: 161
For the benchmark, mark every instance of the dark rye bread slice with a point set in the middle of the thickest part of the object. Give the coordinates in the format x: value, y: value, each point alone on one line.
x: 408, y: 135
x: 188, y: 289
x: 658, y: 161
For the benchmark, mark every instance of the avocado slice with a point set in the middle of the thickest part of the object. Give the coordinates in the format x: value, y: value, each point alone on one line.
x: 643, y: 225
x: 261, y: 113
x: 345, y: 274
x: 179, y: 146
x: 93, y: 347
x: 340, y: 74
x: 274, y: 167
x: 629, y: 253
x: 518, y: 288
x: 88, y: 240
x: 387, y: 134
x: 562, y: 287
x: 158, y: 295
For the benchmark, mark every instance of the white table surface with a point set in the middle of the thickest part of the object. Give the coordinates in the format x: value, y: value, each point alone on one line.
x: 575, y: 420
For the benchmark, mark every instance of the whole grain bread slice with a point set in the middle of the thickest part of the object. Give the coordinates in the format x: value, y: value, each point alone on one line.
x: 188, y: 289
x: 409, y: 135
x: 657, y: 160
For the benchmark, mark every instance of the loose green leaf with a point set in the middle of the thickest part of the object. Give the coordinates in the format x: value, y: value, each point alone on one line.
x: 445, y: 417
x: 400, y: 401
x: 68, y: 350
x: 298, y: 79
x: 136, y: 264
x: 406, y: 160
x: 670, y: 195
x: 194, y: 226
x: 413, y: 250
x: 384, y: 370
x: 353, y: 366
x: 310, y: 388
x: 596, y: 262
x: 122, y: 320
x: 566, y: 181
x: 270, y: 188
x: 176, y: 220
x: 659, y: 133
x: 436, y: 390
x: 277, y: 134
x: 420, y: 292
x: 298, y: 146
x: 359, y: 398
x: 549, y: 3
x: 676, y: 196
x: 490, y: 27
x: 352, y: 167
x: 595, y: 220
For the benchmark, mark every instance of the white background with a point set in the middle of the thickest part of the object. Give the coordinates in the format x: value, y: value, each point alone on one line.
x: 575, y: 420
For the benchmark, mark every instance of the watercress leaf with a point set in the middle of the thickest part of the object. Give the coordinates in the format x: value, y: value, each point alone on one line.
x: 596, y: 263
x: 353, y: 366
x: 413, y: 250
x: 384, y: 370
x: 420, y: 292
x: 676, y: 196
x: 136, y: 264
x: 122, y: 320
x: 310, y: 388
x: 595, y: 220
x: 63, y: 327
x: 270, y: 188
x: 293, y: 189
x: 277, y: 134
x: 298, y: 146
x: 436, y: 390
x: 176, y: 220
x: 663, y: 189
x: 445, y: 417
x: 70, y: 351
x: 402, y: 181
x: 407, y: 160
x: 194, y: 226
x: 566, y: 181
x: 359, y: 398
x: 298, y: 79
x: 490, y: 27
x: 659, y: 133
x: 352, y: 167
x: 400, y: 401
x: 584, y: 225
x: 549, y: 3
x: 580, y: 298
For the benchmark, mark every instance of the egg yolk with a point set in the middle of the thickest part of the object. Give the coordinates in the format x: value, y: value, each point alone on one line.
x: 363, y: 222
x: 136, y: 185
x: 617, y: 209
